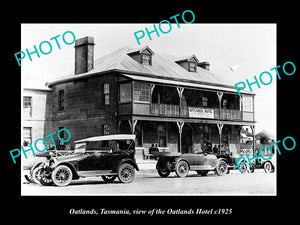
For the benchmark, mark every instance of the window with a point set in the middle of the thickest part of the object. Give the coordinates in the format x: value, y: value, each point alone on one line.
x: 105, y: 129
x: 61, y: 145
x: 106, y: 93
x: 61, y: 100
x: 125, y: 93
x: 204, y: 101
x: 192, y: 67
x: 27, y: 136
x: 27, y: 106
x: 146, y: 59
x: 141, y: 92
x: 247, y: 103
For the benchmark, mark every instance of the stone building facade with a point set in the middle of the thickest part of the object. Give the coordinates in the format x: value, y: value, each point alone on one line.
x: 177, y: 104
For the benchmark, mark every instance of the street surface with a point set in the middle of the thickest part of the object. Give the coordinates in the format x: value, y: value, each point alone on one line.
x: 148, y: 182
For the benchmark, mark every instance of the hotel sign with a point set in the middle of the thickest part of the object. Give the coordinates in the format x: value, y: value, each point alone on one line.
x: 201, y: 113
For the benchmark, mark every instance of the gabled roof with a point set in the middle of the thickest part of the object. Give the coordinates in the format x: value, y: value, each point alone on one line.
x: 163, y: 67
x: 140, y: 50
x: 187, y: 58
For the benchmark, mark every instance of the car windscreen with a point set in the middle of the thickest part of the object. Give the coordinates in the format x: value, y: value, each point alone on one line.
x: 111, y: 145
x: 80, y: 147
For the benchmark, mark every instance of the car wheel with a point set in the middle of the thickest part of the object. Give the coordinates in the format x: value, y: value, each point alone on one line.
x: 243, y: 168
x: 250, y: 169
x: 268, y: 167
x: 126, y: 173
x: 202, y: 172
x: 35, y: 176
x: 108, y: 178
x: 163, y: 173
x: 62, y: 175
x: 44, y: 178
x: 182, y: 168
x: 221, y: 168
x: 29, y: 178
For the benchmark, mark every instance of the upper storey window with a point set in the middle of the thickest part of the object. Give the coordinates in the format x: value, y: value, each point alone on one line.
x: 142, y: 56
x: 146, y: 59
x: 189, y: 63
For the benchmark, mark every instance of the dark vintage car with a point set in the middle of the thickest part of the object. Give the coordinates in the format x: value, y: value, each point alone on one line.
x: 108, y: 156
x: 181, y: 164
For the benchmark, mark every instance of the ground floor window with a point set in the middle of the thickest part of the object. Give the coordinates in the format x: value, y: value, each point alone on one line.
x: 27, y: 136
x: 105, y: 129
x: 61, y: 145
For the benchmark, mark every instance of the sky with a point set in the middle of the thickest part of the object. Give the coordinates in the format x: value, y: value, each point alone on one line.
x: 235, y: 51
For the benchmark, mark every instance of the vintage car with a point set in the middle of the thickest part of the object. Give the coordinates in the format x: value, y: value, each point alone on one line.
x: 181, y: 164
x: 31, y: 164
x: 108, y: 156
x: 267, y: 165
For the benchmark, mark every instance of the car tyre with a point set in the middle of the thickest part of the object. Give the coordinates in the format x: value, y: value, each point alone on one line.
x: 182, y: 168
x: 243, y: 168
x: 36, y: 175
x: 43, y: 177
x: 221, y: 168
x: 163, y: 173
x: 108, y: 178
x: 62, y: 176
x: 250, y: 169
x: 126, y: 173
x: 268, y: 167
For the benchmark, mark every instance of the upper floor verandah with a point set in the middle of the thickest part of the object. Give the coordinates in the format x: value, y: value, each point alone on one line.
x: 167, y: 100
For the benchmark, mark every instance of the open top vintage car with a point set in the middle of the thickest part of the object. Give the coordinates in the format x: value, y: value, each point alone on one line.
x: 108, y: 156
x: 181, y: 164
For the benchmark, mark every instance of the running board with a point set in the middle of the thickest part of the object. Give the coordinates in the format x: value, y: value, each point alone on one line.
x: 95, y: 173
x: 203, y: 167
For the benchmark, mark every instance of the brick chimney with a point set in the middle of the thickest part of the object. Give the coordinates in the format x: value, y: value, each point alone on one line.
x: 84, y: 55
x: 204, y: 65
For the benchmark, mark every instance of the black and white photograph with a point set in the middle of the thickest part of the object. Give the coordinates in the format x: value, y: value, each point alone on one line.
x: 105, y: 114
x: 124, y: 113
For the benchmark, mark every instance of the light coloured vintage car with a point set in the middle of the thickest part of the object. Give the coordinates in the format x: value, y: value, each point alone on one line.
x: 181, y: 164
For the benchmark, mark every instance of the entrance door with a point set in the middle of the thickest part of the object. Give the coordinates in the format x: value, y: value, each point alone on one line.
x: 187, y: 139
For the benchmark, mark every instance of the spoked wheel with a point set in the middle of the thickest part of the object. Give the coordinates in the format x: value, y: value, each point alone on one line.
x: 43, y: 176
x: 221, y: 168
x: 268, y: 167
x: 62, y: 176
x: 109, y: 178
x: 29, y: 178
x: 126, y: 173
x: 163, y: 173
x: 243, y: 168
x: 35, y: 175
x: 182, y: 169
